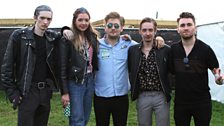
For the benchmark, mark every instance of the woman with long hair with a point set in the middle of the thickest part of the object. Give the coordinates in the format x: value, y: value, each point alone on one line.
x: 78, y: 61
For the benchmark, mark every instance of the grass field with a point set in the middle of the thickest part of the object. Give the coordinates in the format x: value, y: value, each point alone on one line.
x: 8, y: 117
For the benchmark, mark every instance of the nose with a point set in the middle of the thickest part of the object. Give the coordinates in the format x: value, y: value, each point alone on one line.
x: 147, y: 32
x: 46, y: 21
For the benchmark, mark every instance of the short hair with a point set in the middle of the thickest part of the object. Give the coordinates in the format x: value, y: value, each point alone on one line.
x: 114, y: 15
x: 42, y: 8
x: 186, y: 15
x: 122, y: 20
x: 150, y: 20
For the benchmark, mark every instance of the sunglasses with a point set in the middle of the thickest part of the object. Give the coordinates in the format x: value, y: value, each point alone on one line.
x: 186, y: 62
x: 110, y: 25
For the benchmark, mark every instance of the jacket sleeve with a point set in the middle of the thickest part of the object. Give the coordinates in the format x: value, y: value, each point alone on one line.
x: 63, y: 61
x: 64, y: 28
x: 171, y: 61
x: 8, y: 67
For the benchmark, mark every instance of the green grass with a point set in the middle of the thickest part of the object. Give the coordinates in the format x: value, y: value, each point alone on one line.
x: 8, y: 117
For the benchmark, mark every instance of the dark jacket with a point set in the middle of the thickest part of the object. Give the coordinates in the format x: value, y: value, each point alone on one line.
x: 134, y: 59
x: 73, y: 64
x: 19, y: 61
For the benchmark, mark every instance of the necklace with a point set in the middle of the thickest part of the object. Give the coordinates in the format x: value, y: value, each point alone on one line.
x: 86, y: 50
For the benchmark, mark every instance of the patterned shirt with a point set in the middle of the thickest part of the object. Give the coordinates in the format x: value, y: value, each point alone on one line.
x: 148, y: 73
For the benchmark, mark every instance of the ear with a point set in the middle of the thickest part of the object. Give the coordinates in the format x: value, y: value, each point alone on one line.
x: 196, y: 30
x: 105, y: 24
x: 122, y: 28
x: 178, y: 30
x: 155, y: 31
x: 35, y: 17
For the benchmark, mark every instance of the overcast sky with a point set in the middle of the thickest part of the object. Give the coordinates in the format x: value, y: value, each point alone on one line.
x: 205, y: 11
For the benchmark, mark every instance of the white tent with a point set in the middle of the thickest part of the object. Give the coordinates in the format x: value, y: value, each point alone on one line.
x: 213, y: 35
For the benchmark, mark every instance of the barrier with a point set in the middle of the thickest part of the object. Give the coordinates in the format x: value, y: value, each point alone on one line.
x: 169, y: 35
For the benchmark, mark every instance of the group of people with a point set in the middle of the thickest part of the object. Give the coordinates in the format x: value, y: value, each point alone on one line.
x: 85, y: 68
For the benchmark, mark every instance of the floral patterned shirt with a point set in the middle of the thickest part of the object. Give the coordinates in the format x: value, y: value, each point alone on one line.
x: 148, y: 75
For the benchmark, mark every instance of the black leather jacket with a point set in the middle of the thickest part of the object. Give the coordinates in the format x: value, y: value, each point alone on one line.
x: 73, y: 64
x: 134, y: 58
x: 19, y: 61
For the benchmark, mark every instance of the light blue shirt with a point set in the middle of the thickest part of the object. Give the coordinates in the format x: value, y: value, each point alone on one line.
x: 112, y: 77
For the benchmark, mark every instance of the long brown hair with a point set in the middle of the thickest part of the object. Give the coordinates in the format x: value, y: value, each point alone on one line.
x: 89, y: 33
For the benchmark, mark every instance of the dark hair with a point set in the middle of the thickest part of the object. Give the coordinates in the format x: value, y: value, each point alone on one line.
x: 150, y: 20
x: 114, y: 15
x: 42, y: 8
x: 186, y: 15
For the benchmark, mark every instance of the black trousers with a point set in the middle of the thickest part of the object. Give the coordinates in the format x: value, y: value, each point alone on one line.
x: 117, y: 106
x: 35, y: 107
x: 201, y: 113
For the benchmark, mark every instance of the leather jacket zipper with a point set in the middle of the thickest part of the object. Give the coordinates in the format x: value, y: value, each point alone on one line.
x: 83, y: 77
x: 27, y: 67
x: 55, y: 80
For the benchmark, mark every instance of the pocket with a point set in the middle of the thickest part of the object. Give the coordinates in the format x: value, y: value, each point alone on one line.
x: 76, y: 72
x: 122, y: 54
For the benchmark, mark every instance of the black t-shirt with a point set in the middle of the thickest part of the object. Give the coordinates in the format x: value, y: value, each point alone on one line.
x: 191, y: 72
x: 40, y: 71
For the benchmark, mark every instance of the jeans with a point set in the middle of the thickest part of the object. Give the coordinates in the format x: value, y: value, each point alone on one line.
x: 81, y: 100
x: 150, y: 102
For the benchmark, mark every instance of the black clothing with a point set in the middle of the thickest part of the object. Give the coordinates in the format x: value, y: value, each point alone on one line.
x: 148, y: 75
x: 134, y: 58
x: 40, y: 72
x: 75, y: 67
x: 192, y: 80
x: 117, y: 106
x: 192, y: 96
x: 28, y: 59
x: 201, y: 112
x: 35, y: 107
x: 20, y: 59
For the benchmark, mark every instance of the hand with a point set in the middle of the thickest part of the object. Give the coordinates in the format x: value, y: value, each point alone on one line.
x: 218, y: 76
x: 65, y: 99
x: 126, y: 37
x: 222, y: 78
x: 216, y: 71
x: 16, y: 102
x: 159, y: 42
x: 219, y: 80
x: 68, y: 34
